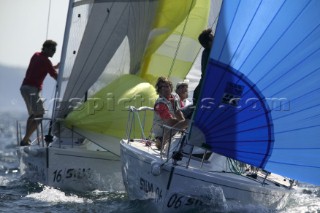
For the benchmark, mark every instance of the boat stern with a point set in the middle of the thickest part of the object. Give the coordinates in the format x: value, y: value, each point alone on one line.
x: 33, y: 163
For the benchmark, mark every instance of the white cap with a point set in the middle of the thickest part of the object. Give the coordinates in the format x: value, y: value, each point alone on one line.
x: 182, y: 83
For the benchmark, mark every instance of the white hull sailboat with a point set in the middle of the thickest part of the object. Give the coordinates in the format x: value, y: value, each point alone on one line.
x: 182, y: 177
x: 192, y: 184
x: 255, y: 132
x: 80, y: 168
x: 108, y: 62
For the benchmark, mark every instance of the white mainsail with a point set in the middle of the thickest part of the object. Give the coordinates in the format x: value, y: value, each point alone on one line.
x: 97, y: 30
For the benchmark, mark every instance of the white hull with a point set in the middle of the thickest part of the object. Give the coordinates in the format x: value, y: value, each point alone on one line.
x: 71, y: 168
x: 177, y: 188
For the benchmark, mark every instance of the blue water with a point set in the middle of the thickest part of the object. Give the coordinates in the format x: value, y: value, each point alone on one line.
x: 19, y: 195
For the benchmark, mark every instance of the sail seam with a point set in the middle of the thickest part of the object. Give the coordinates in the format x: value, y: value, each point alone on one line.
x: 279, y: 38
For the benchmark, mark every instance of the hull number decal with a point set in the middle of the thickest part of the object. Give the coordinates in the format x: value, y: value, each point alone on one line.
x: 148, y: 187
x: 71, y: 174
x: 176, y: 201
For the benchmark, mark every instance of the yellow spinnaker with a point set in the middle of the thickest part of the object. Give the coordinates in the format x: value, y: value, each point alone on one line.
x: 173, y: 42
x: 174, y: 38
x: 107, y: 111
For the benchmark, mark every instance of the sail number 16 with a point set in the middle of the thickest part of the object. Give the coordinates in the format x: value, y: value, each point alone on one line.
x: 80, y: 173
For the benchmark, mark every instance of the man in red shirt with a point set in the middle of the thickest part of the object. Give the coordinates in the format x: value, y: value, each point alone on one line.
x: 31, y: 87
x: 166, y: 111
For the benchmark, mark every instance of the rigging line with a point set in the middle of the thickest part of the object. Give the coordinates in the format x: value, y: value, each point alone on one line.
x: 108, y: 40
x: 48, y: 19
x: 123, y: 44
x: 47, y: 33
x: 123, y: 61
x: 141, y: 33
x: 52, y: 99
x: 66, y: 38
x: 83, y: 72
x: 214, y: 23
x: 180, y: 40
x: 92, y: 141
x: 216, y: 19
x: 75, y: 86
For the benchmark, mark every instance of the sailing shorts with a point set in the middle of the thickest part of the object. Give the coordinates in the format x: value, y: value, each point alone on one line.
x: 32, y: 98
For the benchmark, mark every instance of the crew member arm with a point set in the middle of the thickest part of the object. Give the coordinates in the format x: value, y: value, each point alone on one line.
x: 166, y: 116
x: 52, y: 70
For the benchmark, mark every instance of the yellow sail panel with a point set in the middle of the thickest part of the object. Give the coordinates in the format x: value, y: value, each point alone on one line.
x: 107, y: 111
x: 173, y: 42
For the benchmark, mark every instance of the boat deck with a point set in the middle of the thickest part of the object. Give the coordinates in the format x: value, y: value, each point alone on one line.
x: 211, y: 165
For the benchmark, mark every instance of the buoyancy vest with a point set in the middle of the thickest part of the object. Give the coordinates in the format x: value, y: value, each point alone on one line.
x: 157, y: 129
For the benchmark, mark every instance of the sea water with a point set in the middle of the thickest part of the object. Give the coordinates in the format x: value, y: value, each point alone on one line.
x: 20, y: 195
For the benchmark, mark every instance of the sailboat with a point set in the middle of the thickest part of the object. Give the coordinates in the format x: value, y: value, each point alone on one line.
x: 108, y: 64
x: 253, y: 136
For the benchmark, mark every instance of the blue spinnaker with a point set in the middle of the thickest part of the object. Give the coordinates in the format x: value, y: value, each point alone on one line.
x: 260, y: 101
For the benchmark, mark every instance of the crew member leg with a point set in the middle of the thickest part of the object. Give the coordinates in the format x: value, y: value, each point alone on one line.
x: 34, y: 103
x: 32, y: 125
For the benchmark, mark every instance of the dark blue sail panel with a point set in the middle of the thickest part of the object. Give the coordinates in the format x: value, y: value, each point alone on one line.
x: 233, y: 116
x: 275, y: 44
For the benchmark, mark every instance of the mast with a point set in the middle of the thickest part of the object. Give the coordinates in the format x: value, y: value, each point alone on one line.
x: 63, y: 55
x: 61, y: 66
